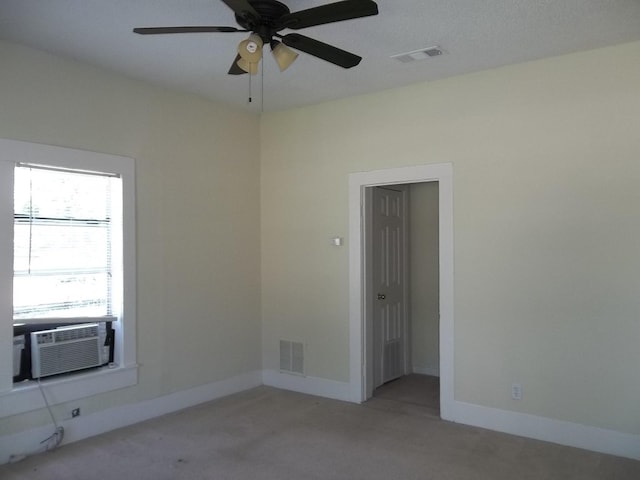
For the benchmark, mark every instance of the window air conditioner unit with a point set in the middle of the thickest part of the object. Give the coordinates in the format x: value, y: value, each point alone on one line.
x: 66, y: 349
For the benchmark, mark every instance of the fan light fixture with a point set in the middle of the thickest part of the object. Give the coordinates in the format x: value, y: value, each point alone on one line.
x: 249, y: 67
x: 283, y: 55
x: 264, y: 19
x: 250, y: 51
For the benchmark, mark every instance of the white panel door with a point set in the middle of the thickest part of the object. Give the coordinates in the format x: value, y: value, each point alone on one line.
x: 388, y: 283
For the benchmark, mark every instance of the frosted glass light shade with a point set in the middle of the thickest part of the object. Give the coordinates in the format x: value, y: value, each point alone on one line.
x: 251, y: 49
x: 283, y: 55
x: 249, y: 67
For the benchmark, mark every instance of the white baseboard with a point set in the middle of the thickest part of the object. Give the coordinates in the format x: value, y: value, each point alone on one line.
x: 524, y: 425
x: 426, y: 370
x: 521, y: 424
x: 79, y: 428
x: 321, y: 387
x: 547, y: 429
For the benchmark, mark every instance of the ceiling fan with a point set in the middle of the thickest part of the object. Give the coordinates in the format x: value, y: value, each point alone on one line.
x: 264, y: 19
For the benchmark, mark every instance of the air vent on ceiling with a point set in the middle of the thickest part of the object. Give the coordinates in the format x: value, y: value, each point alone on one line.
x: 421, y: 54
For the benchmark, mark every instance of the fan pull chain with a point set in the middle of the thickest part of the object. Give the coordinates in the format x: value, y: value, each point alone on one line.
x: 250, y: 87
x: 262, y: 87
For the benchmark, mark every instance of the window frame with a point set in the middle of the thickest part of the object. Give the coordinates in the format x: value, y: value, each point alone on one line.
x: 25, y: 397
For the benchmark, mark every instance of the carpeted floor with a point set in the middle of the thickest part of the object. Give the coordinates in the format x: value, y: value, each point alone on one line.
x: 271, y: 434
x: 412, y: 394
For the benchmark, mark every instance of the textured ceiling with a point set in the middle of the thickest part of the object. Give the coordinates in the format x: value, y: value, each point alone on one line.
x: 475, y: 34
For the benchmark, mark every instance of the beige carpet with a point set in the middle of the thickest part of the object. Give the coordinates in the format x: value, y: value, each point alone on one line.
x: 272, y: 434
x: 412, y: 394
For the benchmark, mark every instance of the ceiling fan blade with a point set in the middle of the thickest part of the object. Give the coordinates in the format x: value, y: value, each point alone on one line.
x: 235, y: 69
x: 332, y: 12
x: 321, y: 50
x: 242, y: 8
x: 203, y: 29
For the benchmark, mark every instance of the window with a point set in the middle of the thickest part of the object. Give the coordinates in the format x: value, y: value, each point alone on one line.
x: 66, y: 243
x: 67, y: 251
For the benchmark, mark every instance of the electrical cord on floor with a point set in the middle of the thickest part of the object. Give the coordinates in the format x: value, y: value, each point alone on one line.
x: 55, y: 439
x: 51, y: 442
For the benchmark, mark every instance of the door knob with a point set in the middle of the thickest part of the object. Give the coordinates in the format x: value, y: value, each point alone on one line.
x: 381, y: 296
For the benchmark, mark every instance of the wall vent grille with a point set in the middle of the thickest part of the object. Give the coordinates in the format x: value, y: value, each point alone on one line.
x: 292, y: 357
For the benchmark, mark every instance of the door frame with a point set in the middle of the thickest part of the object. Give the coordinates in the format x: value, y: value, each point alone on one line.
x: 443, y: 174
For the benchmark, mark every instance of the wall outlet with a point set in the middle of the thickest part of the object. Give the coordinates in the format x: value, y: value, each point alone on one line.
x: 516, y: 391
x: 75, y: 412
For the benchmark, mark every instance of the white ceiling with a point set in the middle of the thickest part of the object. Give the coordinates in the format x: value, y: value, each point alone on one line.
x: 476, y: 35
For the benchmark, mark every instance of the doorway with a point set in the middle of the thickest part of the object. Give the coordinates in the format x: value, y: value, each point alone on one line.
x: 401, y: 291
x: 361, y: 373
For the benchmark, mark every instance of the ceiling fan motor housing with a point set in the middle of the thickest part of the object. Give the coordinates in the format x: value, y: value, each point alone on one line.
x: 270, y: 11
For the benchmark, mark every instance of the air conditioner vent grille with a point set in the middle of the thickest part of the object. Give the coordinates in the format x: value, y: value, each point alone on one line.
x: 422, y: 54
x: 67, y: 349
x: 68, y: 357
x: 64, y: 335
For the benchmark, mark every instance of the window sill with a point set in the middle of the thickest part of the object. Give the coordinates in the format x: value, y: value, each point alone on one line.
x: 26, y: 397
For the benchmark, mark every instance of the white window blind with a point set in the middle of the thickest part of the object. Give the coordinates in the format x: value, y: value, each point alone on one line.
x: 65, y: 222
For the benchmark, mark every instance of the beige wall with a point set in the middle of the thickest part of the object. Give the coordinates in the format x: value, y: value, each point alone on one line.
x: 546, y: 224
x: 424, y: 284
x: 197, y: 214
x: 546, y: 220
